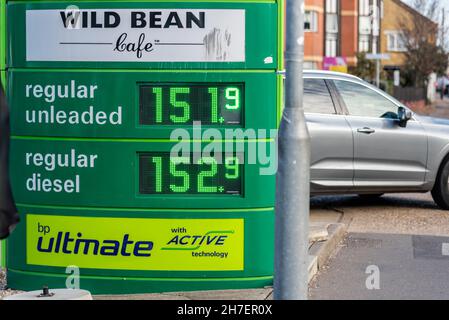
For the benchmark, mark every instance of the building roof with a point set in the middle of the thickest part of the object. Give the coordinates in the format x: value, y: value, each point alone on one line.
x: 413, y: 11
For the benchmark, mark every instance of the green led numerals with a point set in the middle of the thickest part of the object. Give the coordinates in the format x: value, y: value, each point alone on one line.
x: 175, y: 103
x: 160, y: 173
x: 232, y: 168
x: 233, y: 96
x: 207, y: 173
x: 179, y: 174
x: 158, y: 164
x: 180, y: 105
x: 214, y: 104
x: 158, y: 93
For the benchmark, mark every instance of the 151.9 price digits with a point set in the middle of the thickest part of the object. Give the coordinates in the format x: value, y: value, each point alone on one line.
x: 180, y: 104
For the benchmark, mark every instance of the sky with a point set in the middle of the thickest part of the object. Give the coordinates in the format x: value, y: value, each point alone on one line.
x: 443, y: 3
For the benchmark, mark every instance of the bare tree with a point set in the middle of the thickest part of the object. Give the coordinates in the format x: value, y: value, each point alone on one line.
x: 420, y: 34
x: 443, y: 30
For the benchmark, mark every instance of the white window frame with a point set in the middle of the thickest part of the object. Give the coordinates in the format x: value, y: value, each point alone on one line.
x: 312, y: 18
x: 365, y: 25
x: 394, y: 41
x: 331, y: 44
x: 364, y: 42
x: 332, y: 27
x: 364, y: 7
x: 331, y: 6
x: 381, y: 9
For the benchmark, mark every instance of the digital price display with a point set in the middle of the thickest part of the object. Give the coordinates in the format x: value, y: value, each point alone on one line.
x: 183, y: 103
x: 161, y: 174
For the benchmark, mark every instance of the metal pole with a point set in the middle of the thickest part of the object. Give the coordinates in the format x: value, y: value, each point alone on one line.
x: 443, y: 28
x: 378, y: 73
x: 292, y: 189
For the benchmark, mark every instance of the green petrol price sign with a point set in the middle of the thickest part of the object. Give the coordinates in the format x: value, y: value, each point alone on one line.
x: 129, y: 174
x: 140, y: 135
x: 138, y: 104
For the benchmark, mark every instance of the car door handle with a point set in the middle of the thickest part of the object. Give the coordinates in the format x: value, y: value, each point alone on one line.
x: 366, y: 130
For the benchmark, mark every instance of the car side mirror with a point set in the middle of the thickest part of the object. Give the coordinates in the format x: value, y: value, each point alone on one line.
x: 404, y: 115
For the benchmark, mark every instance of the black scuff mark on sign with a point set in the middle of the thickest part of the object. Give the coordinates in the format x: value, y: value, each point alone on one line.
x: 217, y: 44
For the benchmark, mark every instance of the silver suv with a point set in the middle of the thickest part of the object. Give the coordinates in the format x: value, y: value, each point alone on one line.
x: 366, y: 142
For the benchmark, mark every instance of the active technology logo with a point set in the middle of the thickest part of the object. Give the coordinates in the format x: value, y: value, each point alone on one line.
x: 194, y: 243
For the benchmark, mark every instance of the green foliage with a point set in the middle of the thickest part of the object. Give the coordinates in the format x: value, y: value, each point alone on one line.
x: 423, y: 55
x: 365, y: 69
x: 422, y: 60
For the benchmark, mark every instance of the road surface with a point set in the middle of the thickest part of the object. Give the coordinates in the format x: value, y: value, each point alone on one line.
x: 397, y: 248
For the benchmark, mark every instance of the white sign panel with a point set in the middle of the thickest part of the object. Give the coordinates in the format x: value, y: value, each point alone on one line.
x: 397, y: 78
x: 130, y: 35
x: 378, y: 56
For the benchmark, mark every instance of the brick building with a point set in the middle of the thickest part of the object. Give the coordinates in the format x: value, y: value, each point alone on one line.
x: 341, y: 28
x: 392, y: 43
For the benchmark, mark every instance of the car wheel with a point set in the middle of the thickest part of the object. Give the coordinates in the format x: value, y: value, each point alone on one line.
x: 371, y: 196
x: 440, y: 192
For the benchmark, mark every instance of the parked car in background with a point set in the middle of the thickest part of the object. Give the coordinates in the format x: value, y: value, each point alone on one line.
x: 366, y: 142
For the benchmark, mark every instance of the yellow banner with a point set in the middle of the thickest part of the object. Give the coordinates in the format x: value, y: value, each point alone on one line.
x: 136, y: 244
x: 343, y: 69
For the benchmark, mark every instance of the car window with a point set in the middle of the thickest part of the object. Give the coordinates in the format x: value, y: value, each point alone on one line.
x: 317, y: 98
x: 365, y: 102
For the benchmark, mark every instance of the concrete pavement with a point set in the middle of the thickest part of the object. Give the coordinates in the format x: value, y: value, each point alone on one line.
x: 439, y: 108
x: 405, y: 236
x: 249, y: 294
x: 403, y: 266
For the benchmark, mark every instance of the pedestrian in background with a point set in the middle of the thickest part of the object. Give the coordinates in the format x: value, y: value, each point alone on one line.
x: 442, y: 85
x: 8, y: 211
